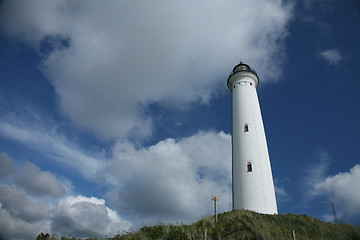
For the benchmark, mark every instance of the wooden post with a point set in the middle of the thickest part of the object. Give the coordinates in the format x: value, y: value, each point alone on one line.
x: 293, y: 234
x: 215, y: 198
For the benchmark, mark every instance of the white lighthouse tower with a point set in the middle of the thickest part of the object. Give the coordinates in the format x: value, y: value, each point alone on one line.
x: 253, y: 186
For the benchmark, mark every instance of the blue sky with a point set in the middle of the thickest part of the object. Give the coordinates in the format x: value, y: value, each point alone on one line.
x: 120, y: 112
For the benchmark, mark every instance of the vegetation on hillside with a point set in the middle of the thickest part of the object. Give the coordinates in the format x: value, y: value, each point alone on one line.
x: 242, y: 225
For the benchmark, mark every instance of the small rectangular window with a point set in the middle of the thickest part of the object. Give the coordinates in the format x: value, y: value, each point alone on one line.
x: 246, y: 128
x: 249, y: 167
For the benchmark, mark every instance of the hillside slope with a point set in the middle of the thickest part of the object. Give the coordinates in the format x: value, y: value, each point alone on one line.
x: 247, y: 225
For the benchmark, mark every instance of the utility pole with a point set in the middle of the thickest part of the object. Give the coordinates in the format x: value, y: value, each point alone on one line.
x: 215, y: 198
x: 333, y: 208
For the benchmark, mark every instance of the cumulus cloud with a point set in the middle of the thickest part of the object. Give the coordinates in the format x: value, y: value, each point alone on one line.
x: 109, y: 60
x: 37, y: 182
x: 7, y: 167
x: 23, y: 206
x: 338, y: 188
x: 18, y: 209
x: 332, y: 56
x: 24, y: 217
x: 15, y: 228
x: 342, y: 190
x: 172, y: 180
x: 86, y: 217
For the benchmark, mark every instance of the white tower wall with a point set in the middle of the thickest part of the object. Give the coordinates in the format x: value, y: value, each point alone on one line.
x: 253, y: 189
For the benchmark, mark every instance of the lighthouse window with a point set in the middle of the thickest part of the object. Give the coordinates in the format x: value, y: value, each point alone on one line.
x: 251, y: 84
x: 246, y: 128
x: 249, y: 167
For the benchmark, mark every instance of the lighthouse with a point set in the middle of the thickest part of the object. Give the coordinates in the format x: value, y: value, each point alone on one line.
x: 252, y: 181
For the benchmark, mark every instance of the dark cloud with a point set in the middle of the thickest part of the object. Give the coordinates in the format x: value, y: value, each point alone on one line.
x: 89, y: 218
x: 6, y: 165
x: 13, y: 227
x: 37, y: 182
x: 21, y: 206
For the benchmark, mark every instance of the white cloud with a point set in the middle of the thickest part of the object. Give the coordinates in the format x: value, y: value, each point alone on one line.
x: 173, y: 180
x: 51, y: 144
x: 317, y: 171
x: 281, y: 194
x: 339, y: 189
x: 109, y: 60
x: 332, y: 56
x: 86, y: 217
x: 342, y: 190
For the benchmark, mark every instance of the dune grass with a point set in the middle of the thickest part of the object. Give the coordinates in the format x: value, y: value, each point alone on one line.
x: 243, y: 224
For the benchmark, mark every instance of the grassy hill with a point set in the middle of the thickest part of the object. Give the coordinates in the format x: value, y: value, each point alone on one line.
x: 245, y: 225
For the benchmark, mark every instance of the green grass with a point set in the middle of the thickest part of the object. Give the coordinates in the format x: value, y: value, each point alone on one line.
x: 245, y: 225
